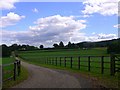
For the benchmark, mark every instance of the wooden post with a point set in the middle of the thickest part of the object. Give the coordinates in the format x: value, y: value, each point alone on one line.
x: 102, y: 64
x: 71, y: 63
x: 79, y: 63
x: 50, y: 60
x: 60, y: 61
x: 56, y: 61
x: 18, y: 67
x: 65, y: 61
x: 14, y: 71
x: 112, y: 64
x: 53, y: 60
x: 45, y: 60
x: 88, y: 63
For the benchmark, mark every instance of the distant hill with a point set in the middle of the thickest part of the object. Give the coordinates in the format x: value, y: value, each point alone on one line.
x: 97, y: 44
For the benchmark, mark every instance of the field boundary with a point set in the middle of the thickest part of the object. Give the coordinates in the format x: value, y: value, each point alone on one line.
x: 114, y: 63
x: 15, y: 72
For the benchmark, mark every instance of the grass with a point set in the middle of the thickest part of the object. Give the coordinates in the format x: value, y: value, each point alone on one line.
x: 0, y: 61
x: 38, y: 57
x: 23, y: 76
x: 7, y: 60
x: 9, y: 68
x: 64, y: 52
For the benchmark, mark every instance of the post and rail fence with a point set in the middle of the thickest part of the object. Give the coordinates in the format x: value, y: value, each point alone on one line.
x: 13, y: 73
x: 112, y: 65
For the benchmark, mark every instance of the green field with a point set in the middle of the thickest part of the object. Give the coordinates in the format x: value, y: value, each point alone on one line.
x: 38, y: 57
x: 8, y: 69
x: 64, y: 52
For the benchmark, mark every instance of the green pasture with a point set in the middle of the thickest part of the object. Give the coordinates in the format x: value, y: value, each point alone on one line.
x: 64, y: 52
x: 39, y: 57
x: 7, y: 60
x: 8, y: 69
x: 0, y: 61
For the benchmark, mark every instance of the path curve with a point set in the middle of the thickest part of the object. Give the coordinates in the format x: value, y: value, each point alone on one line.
x: 40, y: 77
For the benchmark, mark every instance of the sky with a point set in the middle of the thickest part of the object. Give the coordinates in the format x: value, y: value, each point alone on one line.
x: 46, y: 23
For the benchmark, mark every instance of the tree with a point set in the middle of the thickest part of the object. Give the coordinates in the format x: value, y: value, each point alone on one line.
x: 41, y: 46
x: 114, y: 47
x: 5, y: 51
x: 69, y: 44
x: 55, y: 45
x: 14, y: 47
x: 61, y: 45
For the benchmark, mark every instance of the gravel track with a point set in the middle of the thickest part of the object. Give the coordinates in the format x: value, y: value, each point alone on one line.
x: 40, y: 77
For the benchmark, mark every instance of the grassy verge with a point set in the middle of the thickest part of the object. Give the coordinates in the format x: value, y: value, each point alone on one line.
x: 23, y: 76
x: 105, y: 80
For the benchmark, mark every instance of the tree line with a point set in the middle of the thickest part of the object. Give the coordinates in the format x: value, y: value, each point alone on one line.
x: 113, y: 46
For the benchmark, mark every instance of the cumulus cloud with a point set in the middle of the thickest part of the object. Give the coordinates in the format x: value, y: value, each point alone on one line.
x: 117, y: 26
x: 35, y: 10
x: 103, y: 7
x: 53, y: 29
x: 106, y: 36
x: 7, y: 4
x: 29, y: 37
x: 49, y: 30
x: 10, y: 19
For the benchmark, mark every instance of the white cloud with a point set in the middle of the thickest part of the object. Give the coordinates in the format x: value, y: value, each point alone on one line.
x: 103, y: 7
x: 117, y: 26
x: 53, y: 29
x: 57, y: 28
x: 7, y: 4
x: 10, y: 19
x: 106, y: 36
x: 35, y: 10
x: 31, y: 38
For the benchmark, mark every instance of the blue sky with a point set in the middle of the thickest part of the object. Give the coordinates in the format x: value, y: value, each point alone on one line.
x: 47, y: 23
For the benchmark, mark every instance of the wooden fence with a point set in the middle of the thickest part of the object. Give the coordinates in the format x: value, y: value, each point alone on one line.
x: 13, y: 73
x: 110, y: 63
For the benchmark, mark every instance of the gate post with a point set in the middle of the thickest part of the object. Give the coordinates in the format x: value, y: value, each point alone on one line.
x: 112, y: 64
x: 15, y: 71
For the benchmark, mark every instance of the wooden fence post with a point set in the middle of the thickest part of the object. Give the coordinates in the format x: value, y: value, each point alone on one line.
x: 71, y: 62
x: 112, y: 65
x: 50, y: 60
x: 60, y: 61
x: 102, y: 64
x: 79, y: 63
x: 14, y: 71
x: 88, y: 63
x: 65, y: 61
x: 19, y: 68
x: 56, y: 61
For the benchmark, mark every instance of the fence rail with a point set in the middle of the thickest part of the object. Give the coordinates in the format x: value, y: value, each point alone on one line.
x: 111, y: 63
x: 14, y: 72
